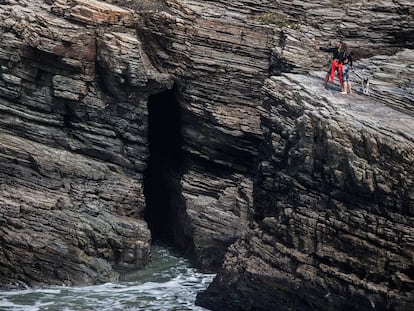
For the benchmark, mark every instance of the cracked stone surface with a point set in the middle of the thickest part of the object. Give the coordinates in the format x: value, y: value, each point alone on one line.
x: 302, y: 196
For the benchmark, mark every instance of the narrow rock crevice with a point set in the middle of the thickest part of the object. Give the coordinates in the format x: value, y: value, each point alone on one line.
x: 165, y: 207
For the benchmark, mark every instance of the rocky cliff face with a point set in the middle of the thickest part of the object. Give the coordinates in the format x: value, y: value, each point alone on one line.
x: 315, y: 193
x: 74, y: 88
x: 333, y: 207
x: 219, y: 140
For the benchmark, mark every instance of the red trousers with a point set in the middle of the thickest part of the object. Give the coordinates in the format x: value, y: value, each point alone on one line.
x: 336, y: 67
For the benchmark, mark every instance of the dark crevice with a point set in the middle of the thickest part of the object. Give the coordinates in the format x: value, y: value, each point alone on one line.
x: 48, y: 62
x: 165, y: 210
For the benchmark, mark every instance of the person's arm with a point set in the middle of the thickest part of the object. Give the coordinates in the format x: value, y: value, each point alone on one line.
x: 342, y: 56
x: 329, y: 50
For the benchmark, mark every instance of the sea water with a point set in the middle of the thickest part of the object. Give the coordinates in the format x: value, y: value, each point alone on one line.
x: 169, y: 282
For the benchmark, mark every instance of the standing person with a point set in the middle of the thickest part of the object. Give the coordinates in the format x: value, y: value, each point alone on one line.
x: 343, y: 54
x: 346, y: 69
x: 334, y: 63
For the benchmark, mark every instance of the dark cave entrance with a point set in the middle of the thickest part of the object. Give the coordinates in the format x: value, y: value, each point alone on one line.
x: 165, y: 207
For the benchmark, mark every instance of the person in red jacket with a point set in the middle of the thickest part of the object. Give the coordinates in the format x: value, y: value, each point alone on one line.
x: 338, y: 56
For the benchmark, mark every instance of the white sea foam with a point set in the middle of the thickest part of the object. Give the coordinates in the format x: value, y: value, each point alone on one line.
x: 168, y: 283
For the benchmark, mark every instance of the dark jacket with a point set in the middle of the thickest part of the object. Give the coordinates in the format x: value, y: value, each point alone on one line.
x: 348, y: 55
x: 337, y: 54
x: 334, y: 51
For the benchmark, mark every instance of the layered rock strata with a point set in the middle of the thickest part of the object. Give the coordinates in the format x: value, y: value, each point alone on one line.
x: 333, y: 222
x: 197, y: 44
x: 76, y: 76
x: 221, y: 53
x: 73, y: 142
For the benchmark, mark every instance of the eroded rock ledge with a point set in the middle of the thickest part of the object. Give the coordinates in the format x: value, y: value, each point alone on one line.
x: 73, y: 143
x: 333, y: 207
x: 326, y: 219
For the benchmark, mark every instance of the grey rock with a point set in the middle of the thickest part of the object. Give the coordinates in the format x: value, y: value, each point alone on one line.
x: 73, y: 155
x: 332, y: 210
x: 306, y: 195
x: 68, y: 88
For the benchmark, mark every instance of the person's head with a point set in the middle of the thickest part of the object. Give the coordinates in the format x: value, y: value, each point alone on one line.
x: 338, y: 44
x: 344, y: 47
x: 334, y: 42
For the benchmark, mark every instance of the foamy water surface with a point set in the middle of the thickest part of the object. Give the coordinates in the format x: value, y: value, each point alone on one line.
x: 169, y: 282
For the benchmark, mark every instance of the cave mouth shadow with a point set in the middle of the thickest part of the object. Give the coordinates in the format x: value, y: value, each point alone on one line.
x: 165, y: 211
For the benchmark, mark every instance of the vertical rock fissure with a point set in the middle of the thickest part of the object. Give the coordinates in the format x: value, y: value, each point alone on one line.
x: 165, y: 207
